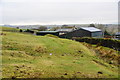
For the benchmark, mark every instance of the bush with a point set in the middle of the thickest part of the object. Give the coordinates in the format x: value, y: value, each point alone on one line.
x: 30, y: 31
x: 20, y: 30
x: 114, y: 44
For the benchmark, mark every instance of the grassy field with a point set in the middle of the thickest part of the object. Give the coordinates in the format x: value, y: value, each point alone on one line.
x: 30, y: 56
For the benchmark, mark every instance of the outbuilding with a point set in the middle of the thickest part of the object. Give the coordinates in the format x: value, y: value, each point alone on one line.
x: 117, y: 35
x: 64, y: 31
x: 84, y: 32
x: 42, y: 33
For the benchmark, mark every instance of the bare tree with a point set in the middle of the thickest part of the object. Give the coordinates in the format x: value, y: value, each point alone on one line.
x: 42, y: 28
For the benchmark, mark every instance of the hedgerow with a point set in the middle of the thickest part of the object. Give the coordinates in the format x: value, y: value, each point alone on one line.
x: 111, y: 43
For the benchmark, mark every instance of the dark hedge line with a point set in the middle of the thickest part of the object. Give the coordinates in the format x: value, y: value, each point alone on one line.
x: 114, y: 44
x: 29, y: 31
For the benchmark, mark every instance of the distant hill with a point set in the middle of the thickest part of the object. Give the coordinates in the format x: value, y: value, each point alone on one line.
x: 111, y: 28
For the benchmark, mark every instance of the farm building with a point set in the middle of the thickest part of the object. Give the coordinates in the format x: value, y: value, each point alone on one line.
x: 117, y: 35
x: 42, y: 33
x: 84, y: 32
x: 64, y: 31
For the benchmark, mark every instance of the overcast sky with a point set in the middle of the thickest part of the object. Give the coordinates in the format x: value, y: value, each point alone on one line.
x: 58, y: 11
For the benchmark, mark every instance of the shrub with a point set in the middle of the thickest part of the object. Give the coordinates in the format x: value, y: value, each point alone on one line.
x: 30, y: 31
x: 20, y: 30
x: 114, y: 44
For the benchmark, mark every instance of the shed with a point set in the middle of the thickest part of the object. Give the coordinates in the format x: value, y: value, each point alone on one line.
x: 42, y: 33
x: 84, y: 32
x: 64, y: 31
x: 117, y: 35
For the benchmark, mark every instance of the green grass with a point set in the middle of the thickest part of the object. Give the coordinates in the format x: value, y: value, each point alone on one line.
x: 28, y: 56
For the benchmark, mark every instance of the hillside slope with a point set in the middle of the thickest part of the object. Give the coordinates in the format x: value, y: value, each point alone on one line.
x: 30, y: 56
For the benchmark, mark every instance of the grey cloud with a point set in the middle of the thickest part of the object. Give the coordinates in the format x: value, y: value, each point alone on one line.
x: 71, y: 12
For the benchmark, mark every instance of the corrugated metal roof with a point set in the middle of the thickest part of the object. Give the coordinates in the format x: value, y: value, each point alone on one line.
x: 48, y: 31
x: 91, y: 29
x: 118, y: 33
x: 68, y: 30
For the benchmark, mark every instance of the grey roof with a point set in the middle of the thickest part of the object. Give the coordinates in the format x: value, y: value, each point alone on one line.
x: 118, y: 33
x: 48, y: 31
x: 67, y: 30
x: 91, y: 29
